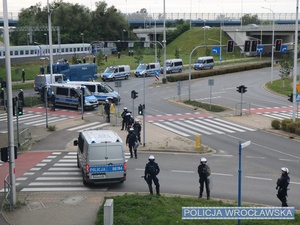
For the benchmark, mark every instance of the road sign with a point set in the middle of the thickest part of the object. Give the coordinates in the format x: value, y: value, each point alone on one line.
x: 216, y: 50
x: 297, y: 97
x: 284, y: 48
x: 118, y: 83
x: 211, y: 82
x: 260, y: 48
x: 245, y: 144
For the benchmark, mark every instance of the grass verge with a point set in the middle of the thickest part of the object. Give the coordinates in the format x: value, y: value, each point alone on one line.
x: 153, y: 210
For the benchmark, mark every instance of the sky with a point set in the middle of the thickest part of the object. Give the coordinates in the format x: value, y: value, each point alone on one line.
x: 174, y: 6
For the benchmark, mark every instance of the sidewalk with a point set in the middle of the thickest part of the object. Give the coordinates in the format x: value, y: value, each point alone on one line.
x: 77, y: 208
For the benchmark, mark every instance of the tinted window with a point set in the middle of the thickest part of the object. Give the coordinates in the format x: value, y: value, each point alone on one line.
x: 178, y: 63
x: 73, y: 93
x: 62, y: 91
x: 92, y: 88
x: 121, y: 69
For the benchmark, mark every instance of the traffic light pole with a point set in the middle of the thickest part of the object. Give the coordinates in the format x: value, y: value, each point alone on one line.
x: 241, y: 112
x: 17, y: 114
x: 143, y: 110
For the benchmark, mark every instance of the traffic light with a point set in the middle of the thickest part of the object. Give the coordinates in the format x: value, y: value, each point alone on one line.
x: 5, y: 154
x: 241, y: 89
x: 20, y: 110
x: 291, y: 97
x: 3, y: 84
x: 134, y: 94
x: 230, y: 46
x: 278, y: 43
x: 247, y: 46
x: 253, y: 46
x: 141, y: 109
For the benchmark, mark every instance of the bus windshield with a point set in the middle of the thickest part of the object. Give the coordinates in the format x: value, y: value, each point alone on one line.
x: 200, y: 61
x: 87, y: 92
x: 108, y: 88
x: 168, y: 64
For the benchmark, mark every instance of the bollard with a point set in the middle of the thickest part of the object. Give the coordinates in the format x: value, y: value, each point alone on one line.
x: 112, y: 108
x: 108, y: 212
x: 198, y: 141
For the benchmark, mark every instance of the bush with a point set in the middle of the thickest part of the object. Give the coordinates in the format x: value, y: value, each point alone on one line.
x: 284, y: 124
x: 214, y: 72
x: 276, y: 124
x: 291, y: 127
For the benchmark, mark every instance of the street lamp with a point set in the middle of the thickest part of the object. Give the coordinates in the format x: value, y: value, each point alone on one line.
x: 82, y: 37
x: 45, y: 34
x: 50, y: 41
x: 164, y: 40
x: 272, y: 45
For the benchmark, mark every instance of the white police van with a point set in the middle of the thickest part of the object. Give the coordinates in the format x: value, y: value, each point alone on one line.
x: 203, y: 63
x: 101, y: 157
x: 100, y: 90
x: 68, y: 95
x: 116, y: 73
x: 173, y: 66
x: 41, y: 80
x: 147, y: 69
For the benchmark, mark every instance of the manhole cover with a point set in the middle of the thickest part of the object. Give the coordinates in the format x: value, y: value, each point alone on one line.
x: 35, y: 205
x: 74, y: 200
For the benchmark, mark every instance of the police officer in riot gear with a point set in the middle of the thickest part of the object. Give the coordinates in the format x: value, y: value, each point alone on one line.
x: 151, y: 172
x: 282, y: 186
x: 204, y: 173
x: 123, y: 115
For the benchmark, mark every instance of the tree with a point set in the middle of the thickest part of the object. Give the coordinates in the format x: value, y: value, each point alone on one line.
x: 177, y: 53
x: 100, y: 59
x: 248, y: 19
x: 287, y: 65
x: 139, y: 56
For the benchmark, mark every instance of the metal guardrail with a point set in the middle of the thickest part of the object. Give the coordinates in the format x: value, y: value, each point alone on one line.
x: 7, y: 190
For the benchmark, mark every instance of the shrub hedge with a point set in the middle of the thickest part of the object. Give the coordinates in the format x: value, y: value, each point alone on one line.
x: 219, y: 71
x: 287, y: 125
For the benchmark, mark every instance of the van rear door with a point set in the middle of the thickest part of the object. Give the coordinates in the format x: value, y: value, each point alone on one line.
x: 106, y: 161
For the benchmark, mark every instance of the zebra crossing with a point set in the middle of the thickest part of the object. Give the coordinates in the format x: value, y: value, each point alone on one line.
x: 57, y: 172
x: 33, y: 119
x: 201, y: 125
x: 90, y: 126
x: 279, y: 115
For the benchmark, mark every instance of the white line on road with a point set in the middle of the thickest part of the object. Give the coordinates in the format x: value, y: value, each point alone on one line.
x: 59, y: 189
x: 223, y: 174
x: 258, y: 178
x: 59, y: 178
x: 255, y: 157
x: 182, y: 171
x: 289, y: 160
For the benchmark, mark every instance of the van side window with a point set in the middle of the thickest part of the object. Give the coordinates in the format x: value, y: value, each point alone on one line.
x: 116, y: 70
x: 92, y: 88
x: 178, y: 63
x: 152, y: 66
x: 210, y: 61
x: 102, y: 89
x: 80, y: 143
x: 73, y: 93
x: 121, y: 69
x: 147, y: 67
x: 62, y: 91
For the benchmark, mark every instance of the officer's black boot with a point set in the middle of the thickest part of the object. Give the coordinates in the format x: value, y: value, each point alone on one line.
x: 157, y: 190
x: 208, y: 195
x: 131, y: 155
x: 150, y: 189
x: 200, y: 194
x: 135, y: 154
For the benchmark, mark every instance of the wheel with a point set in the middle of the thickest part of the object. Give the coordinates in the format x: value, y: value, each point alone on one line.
x: 114, y: 79
x: 180, y: 71
x: 126, y: 77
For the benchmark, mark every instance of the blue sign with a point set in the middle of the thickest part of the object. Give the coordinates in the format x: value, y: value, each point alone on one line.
x: 106, y: 169
x: 284, y: 48
x: 216, y: 50
x: 233, y: 213
x: 260, y: 48
x: 297, y: 97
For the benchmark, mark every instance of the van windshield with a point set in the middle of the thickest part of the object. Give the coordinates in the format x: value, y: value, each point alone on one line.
x: 168, y: 64
x: 87, y: 92
x: 142, y: 67
x: 107, y: 87
x: 109, y: 70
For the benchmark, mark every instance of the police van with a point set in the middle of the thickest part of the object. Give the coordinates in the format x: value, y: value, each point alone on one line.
x: 41, y: 80
x: 173, y: 66
x: 147, y: 69
x: 100, y: 90
x: 203, y: 63
x: 101, y: 157
x: 68, y: 95
x: 116, y: 73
